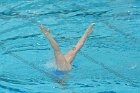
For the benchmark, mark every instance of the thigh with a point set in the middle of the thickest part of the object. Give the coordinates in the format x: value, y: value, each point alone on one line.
x: 59, y: 57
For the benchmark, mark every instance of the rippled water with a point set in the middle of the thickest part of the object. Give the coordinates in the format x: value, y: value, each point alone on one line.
x: 109, y: 62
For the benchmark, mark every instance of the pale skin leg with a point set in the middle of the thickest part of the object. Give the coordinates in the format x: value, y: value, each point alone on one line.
x: 63, y: 62
x: 70, y: 55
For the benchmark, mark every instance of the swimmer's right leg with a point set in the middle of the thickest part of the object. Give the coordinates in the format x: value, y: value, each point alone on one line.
x: 59, y: 57
x: 52, y: 41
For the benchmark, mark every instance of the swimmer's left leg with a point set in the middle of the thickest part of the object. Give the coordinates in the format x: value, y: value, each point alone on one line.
x: 72, y: 53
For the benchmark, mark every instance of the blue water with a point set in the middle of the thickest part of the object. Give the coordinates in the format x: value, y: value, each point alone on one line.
x: 109, y: 62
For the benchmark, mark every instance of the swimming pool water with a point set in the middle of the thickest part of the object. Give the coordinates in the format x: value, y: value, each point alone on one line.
x: 109, y: 62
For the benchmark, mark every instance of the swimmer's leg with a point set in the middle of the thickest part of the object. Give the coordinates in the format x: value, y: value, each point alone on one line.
x: 72, y: 53
x: 52, y: 41
x: 59, y: 57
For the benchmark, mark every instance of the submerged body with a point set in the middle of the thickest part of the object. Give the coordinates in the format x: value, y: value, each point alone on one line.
x: 63, y: 62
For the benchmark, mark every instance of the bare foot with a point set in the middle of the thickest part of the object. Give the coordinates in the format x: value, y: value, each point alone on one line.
x: 89, y: 29
x: 46, y: 31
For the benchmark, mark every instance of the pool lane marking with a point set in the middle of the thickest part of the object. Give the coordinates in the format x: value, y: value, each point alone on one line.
x: 108, y: 68
x: 128, y: 36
